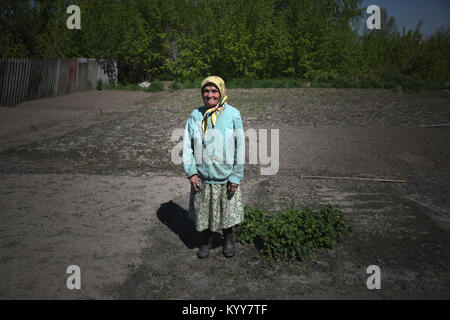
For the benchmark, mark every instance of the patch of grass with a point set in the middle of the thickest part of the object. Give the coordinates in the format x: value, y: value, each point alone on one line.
x: 389, y: 80
x: 320, y: 85
x: 155, y: 86
x: 248, y: 83
x: 191, y: 85
x: 301, y: 269
x: 292, y: 234
x: 147, y: 110
x: 99, y: 84
x: 175, y: 86
x: 342, y: 83
x: 129, y: 87
x: 434, y: 86
x: 241, y: 83
x: 368, y: 82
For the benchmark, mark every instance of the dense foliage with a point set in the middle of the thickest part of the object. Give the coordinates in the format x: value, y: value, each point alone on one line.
x: 310, y: 40
x: 292, y: 234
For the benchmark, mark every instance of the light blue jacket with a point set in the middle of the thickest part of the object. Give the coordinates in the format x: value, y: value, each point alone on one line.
x: 219, y: 155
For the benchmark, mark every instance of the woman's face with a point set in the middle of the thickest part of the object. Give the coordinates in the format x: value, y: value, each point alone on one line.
x: 211, y: 95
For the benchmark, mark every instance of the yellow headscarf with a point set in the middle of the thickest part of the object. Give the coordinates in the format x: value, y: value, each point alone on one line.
x: 215, y: 111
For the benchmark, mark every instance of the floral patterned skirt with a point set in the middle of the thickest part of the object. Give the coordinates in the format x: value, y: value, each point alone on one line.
x: 212, y: 207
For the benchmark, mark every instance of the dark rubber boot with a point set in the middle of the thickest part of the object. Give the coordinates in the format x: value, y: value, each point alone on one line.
x: 228, y: 243
x: 205, y: 247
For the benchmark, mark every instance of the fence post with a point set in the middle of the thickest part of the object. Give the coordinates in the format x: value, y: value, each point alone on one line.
x: 55, y: 90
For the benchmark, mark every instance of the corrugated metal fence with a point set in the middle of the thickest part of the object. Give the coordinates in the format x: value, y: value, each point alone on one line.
x: 25, y: 79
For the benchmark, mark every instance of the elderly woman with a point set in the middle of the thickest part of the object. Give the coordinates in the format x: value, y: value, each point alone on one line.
x: 213, y: 159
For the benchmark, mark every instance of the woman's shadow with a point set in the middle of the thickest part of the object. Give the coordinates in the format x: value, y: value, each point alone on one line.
x: 176, y: 219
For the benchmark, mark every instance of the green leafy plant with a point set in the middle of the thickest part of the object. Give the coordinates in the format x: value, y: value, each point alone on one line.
x: 129, y: 87
x: 292, y: 234
x: 341, y: 82
x: 191, y: 84
x: 99, y: 84
x: 175, y: 86
x: 155, y: 86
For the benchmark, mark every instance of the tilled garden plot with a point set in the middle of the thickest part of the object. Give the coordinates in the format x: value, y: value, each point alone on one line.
x: 106, y: 196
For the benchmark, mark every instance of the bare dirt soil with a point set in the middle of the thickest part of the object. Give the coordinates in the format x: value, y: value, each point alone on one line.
x: 87, y: 179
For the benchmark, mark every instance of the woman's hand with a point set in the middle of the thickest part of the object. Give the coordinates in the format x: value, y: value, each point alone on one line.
x: 232, y: 187
x: 194, y: 182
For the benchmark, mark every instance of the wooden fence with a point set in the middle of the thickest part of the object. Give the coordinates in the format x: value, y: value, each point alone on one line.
x: 25, y: 79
